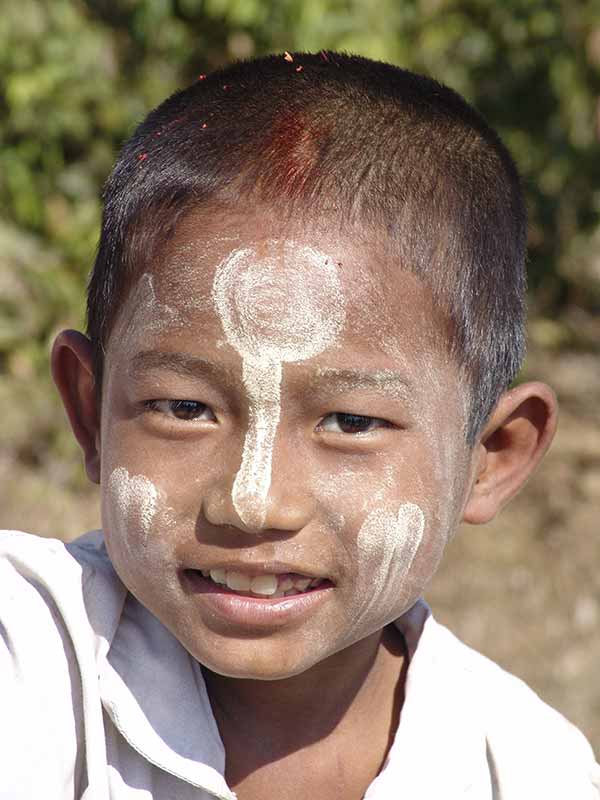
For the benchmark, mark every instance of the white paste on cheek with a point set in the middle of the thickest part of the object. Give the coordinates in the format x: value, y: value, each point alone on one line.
x: 136, y: 500
x: 273, y: 309
x: 387, y: 545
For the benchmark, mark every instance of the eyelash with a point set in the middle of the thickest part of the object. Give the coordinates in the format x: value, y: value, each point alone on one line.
x: 343, y: 419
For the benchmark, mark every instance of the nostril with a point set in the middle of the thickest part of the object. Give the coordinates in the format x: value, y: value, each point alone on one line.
x: 286, y: 509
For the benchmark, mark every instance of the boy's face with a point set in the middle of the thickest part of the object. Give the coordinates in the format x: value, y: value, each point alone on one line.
x: 277, y: 402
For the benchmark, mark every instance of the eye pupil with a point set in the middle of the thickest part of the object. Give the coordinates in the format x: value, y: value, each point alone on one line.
x: 353, y: 423
x: 187, y: 409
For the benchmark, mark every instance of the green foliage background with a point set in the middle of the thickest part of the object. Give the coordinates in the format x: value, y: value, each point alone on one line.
x: 76, y: 76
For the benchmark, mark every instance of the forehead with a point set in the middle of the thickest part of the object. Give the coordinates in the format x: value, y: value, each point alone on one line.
x: 284, y: 270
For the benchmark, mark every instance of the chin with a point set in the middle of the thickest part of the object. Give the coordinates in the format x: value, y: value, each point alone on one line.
x: 256, y: 666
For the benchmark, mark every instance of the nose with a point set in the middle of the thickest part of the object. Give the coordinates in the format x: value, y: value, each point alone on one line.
x: 288, y: 505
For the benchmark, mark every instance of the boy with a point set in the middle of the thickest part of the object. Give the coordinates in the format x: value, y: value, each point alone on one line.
x: 305, y: 312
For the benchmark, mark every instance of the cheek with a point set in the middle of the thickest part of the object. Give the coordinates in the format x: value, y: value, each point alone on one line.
x: 390, y: 541
x: 387, y: 547
x: 448, y: 470
x: 136, y: 520
x: 391, y: 531
x: 134, y: 500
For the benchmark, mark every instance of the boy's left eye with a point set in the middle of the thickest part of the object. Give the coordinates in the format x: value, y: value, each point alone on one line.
x: 351, y: 423
x: 182, y: 409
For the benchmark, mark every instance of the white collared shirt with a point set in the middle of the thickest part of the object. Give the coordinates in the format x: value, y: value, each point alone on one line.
x: 98, y: 701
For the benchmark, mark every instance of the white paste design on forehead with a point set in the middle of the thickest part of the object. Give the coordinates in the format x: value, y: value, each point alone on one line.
x: 387, y: 545
x: 274, y: 309
x: 136, y: 499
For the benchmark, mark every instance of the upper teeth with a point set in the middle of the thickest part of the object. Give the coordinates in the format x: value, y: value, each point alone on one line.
x: 267, y: 585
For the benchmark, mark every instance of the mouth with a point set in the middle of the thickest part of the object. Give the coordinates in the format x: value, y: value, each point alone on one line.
x: 264, y: 585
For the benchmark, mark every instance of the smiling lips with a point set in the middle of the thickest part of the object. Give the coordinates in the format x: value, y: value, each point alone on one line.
x: 269, y: 585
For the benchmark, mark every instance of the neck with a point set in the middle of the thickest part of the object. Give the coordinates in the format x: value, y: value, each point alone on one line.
x: 358, y: 689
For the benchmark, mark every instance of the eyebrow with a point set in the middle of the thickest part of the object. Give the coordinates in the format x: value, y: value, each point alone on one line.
x: 183, y: 364
x: 385, y: 381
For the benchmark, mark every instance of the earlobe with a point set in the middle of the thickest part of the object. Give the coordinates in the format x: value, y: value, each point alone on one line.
x: 73, y: 374
x: 511, y: 446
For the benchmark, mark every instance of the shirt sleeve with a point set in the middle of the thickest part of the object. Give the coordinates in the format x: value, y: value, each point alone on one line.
x: 41, y: 726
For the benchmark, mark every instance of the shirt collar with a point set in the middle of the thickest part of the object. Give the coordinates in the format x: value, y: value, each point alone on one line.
x: 150, y: 686
x: 155, y: 694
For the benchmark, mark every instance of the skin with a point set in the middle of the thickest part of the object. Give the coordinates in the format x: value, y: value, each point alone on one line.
x: 326, y: 486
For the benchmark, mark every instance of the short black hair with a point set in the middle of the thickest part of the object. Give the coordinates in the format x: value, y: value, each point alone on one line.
x: 340, y: 135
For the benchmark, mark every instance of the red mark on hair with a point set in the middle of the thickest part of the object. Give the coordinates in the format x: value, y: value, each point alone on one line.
x: 202, y: 77
x: 158, y: 133
x: 324, y: 55
x: 226, y: 87
x: 288, y: 56
x: 299, y: 68
x: 142, y: 156
x: 294, y: 149
x: 204, y: 125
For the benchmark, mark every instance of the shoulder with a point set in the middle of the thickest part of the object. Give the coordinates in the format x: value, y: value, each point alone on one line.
x: 40, y: 689
x: 76, y: 582
x: 59, y: 605
x: 26, y: 552
x: 40, y: 585
x: 51, y: 591
x: 51, y: 563
x: 532, y: 749
x: 34, y: 568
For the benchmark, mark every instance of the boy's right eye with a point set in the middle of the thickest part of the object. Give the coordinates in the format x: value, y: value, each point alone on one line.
x: 187, y: 410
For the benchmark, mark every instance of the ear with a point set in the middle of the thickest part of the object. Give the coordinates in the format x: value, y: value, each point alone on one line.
x: 72, y: 370
x: 511, y: 446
